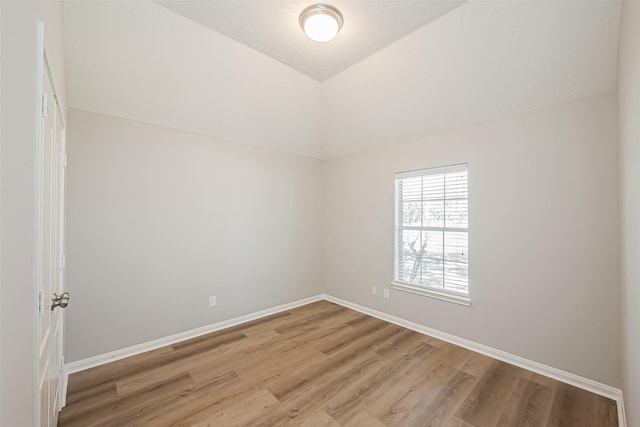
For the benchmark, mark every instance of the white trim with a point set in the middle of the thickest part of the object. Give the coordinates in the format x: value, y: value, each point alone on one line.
x: 63, y: 375
x: 622, y: 415
x: 432, y: 171
x: 37, y: 223
x: 548, y: 371
x: 64, y: 382
x: 55, y: 92
x: 432, y: 293
x: 92, y: 362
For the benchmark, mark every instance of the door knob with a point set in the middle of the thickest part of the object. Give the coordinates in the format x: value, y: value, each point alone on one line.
x: 61, y: 300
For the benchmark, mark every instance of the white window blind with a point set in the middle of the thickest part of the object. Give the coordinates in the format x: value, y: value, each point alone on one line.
x: 432, y: 230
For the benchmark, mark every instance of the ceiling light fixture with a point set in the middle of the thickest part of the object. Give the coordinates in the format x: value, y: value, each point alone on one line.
x: 321, y: 22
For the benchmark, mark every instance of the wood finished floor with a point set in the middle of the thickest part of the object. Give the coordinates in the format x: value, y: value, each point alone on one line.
x: 323, y: 365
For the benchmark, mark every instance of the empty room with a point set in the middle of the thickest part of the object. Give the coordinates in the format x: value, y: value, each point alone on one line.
x: 352, y: 213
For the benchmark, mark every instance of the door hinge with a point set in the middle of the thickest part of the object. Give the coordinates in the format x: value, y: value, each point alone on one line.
x: 63, y: 160
x: 63, y: 261
x: 61, y: 363
x: 40, y: 300
x: 45, y: 105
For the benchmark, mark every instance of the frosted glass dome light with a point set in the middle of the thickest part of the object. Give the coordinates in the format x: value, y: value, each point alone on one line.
x: 321, y: 22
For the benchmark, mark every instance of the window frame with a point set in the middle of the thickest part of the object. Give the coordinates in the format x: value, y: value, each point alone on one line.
x: 432, y: 292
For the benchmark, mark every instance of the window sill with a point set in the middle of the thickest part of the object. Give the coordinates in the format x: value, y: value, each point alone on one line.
x: 433, y: 293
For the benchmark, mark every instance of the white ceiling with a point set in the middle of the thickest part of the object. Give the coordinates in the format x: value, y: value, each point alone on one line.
x: 272, y: 28
x: 480, y: 61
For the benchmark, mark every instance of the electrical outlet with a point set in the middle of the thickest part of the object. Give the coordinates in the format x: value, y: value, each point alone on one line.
x: 212, y: 301
x: 374, y: 290
x: 386, y: 293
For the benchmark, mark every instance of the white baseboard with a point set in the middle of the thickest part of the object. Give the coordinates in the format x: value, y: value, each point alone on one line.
x: 622, y: 417
x: 112, y: 356
x: 557, y: 374
x: 64, y: 379
x: 548, y: 371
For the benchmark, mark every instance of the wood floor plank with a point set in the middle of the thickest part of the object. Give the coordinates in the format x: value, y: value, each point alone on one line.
x: 363, y: 419
x: 109, y: 373
x: 323, y: 365
x: 433, y: 401
x: 316, y: 386
x: 171, y: 367
x: 337, y: 342
x: 184, y: 402
x: 575, y: 407
x: 606, y: 411
x: 117, y: 408
x: 528, y: 406
x: 487, y: 400
x: 312, y: 320
x: 469, y: 362
x: 320, y: 419
x: 457, y: 422
x: 275, y: 363
x: 103, y: 390
x: 245, y: 353
x: 384, y: 385
x: 335, y: 366
x: 399, y: 344
x: 87, y: 402
x: 236, y: 414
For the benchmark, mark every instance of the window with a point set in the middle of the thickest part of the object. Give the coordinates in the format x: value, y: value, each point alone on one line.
x: 432, y: 218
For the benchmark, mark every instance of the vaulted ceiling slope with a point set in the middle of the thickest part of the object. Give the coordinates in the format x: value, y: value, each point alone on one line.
x: 479, y: 61
x: 139, y: 60
x: 482, y: 61
x: 272, y: 28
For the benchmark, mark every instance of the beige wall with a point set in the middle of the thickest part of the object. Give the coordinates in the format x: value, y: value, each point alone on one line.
x: 18, y: 135
x: 160, y: 219
x: 544, y: 246
x: 629, y: 98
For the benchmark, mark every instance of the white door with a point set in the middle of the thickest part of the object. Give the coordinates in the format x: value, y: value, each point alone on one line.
x: 51, y: 160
